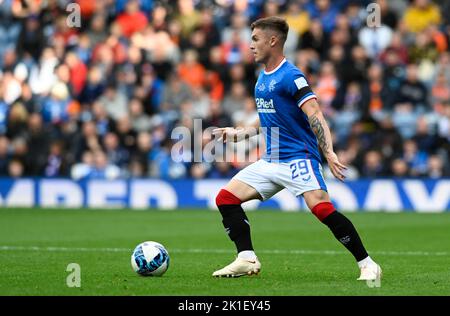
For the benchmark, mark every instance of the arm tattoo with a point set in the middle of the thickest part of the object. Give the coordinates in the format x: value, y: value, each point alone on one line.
x: 317, y: 127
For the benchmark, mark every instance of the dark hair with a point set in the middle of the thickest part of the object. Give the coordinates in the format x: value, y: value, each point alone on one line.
x: 273, y: 23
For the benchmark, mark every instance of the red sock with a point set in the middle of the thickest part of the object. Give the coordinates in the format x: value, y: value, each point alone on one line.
x: 322, y: 210
x: 227, y: 198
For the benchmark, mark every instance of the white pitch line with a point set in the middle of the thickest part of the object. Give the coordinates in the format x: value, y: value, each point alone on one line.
x: 199, y: 250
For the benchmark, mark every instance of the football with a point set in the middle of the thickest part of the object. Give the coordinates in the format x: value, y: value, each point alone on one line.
x: 150, y: 259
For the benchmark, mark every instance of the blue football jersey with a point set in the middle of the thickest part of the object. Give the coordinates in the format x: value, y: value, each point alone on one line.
x: 279, y: 95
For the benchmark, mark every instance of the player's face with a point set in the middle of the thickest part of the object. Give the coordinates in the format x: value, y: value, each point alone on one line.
x: 260, y: 45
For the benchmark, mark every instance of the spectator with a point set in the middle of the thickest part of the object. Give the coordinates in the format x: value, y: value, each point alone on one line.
x: 399, y: 168
x: 82, y: 169
x: 9, y: 60
x: 359, y: 65
x: 353, y: 13
x: 132, y: 20
x: 377, y: 97
x: 102, y: 169
x: 9, y: 28
x: 28, y: 99
x: 415, y: 158
x: 435, y: 167
x: 375, y: 39
x: 327, y: 85
x: 238, y: 73
x: 140, y: 121
x: 217, y: 117
x: 443, y: 124
x: 443, y: 64
x: 373, y: 164
x: 412, y: 90
x: 55, y: 161
x: 271, y: 8
x: 396, y: 52
x: 200, y: 103
x: 55, y: 109
x: 5, y: 155
x: 424, y: 137
x: 191, y: 71
x: 421, y: 14
x: 97, y: 32
x: 423, y: 50
x: 136, y: 169
x: 31, y: 39
x: 17, y: 121
x: 3, y: 115
x: 325, y: 11
x: 90, y: 139
x: 315, y: 38
x: 174, y: 93
x: 63, y: 33
x: 115, y: 103
x: 102, y: 122
x: 159, y: 18
x: 297, y: 19
x: 388, y: 16
x: 236, y: 99
x: 78, y: 72
x: 440, y: 91
x: 42, y: 76
x: 127, y: 136
x: 199, y: 171
x: 94, y: 86
x: 235, y: 50
x: 197, y: 42
x: 115, y: 153
x: 404, y: 118
x: 38, y: 139
x: 187, y: 16
x: 16, y: 169
x: 350, y: 111
x: 11, y: 89
x: 152, y: 90
x: 246, y: 115
x: 143, y: 152
x: 164, y: 167
x: 222, y: 170
x: 238, y: 30
x: 388, y: 139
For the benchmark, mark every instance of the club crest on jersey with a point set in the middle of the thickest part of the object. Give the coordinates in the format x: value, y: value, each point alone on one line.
x: 262, y: 87
x: 265, y: 106
x: 272, y: 85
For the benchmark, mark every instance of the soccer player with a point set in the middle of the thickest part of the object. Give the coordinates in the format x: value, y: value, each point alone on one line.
x: 294, y: 129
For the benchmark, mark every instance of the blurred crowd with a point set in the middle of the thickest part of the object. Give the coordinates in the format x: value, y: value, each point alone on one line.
x: 101, y: 100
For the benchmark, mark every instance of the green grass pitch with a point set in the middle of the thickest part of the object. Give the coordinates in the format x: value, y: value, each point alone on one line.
x: 299, y: 255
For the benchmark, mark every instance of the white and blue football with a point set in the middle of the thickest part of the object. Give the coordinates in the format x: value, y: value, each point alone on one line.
x: 150, y: 259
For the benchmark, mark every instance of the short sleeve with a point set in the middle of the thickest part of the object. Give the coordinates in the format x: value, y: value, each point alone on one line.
x: 299, y: 89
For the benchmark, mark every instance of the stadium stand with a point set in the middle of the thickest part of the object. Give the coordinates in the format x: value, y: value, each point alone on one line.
x: 101, y: 100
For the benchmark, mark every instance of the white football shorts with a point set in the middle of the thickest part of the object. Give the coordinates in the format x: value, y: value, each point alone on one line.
x: 268, y: 178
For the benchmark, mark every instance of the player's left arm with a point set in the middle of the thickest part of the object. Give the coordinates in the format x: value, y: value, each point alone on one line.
x: 320, y: 128
x: 298, y: 87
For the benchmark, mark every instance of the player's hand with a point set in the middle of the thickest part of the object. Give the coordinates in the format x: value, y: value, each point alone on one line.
x: 337, y: 169
x: 227, y: 134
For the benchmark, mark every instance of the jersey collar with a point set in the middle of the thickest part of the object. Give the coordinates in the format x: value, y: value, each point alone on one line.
x: 278, y: 67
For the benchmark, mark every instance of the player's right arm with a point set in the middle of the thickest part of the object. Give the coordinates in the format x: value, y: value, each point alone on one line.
x: 236, y: 134
x: 320, y: 128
